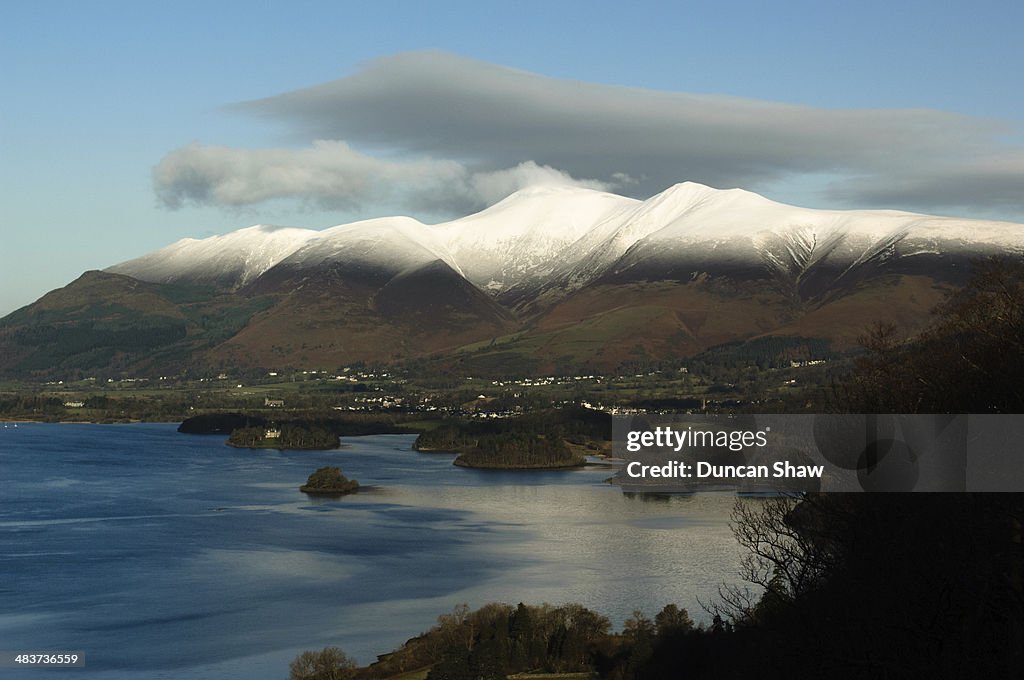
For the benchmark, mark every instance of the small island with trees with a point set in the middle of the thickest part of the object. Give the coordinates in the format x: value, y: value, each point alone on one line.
x: 519, y: 451
x: 329, y: 481
x: 292, y: 436
x: 545, y: 440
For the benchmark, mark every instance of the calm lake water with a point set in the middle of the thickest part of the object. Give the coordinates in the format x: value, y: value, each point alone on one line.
x: 163, y: 555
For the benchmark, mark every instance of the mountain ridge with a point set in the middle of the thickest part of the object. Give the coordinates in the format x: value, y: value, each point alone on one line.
x: 548, y: 277
x: 573, y: 235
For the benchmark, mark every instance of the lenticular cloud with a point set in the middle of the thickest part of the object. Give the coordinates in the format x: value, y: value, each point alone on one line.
x: 450, y: 134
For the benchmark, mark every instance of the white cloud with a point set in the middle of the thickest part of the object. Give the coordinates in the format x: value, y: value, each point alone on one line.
x: 491, y: 187
x: 331, y: 174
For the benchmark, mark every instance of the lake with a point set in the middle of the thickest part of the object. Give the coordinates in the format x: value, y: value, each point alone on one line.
x: 164, y: 555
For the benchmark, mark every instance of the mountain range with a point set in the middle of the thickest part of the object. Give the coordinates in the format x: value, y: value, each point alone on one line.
x: 550, y: 278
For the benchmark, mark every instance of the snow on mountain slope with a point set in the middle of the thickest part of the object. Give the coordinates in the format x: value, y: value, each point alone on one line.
x: 528, y: 233
x: 745, y: 228
x: 691, y: 225
x: 390, y: 244
x: 230, y: 260
x: 695, y: 213
x: 610, y: 238
x: 543, y: 242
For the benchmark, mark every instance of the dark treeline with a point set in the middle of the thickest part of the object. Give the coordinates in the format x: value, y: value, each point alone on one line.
x: 343, y: 425
x: 97, y: 407
x: 219, y: 423
x: 533, y: 440
x: 859, y: 586
x: 31, y: 404
x: 970, y: 360
x: 499, y: 639
x: 575, y: 424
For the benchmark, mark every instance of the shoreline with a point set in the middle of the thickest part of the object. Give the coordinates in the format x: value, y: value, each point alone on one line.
x: 515, y: 468
x: 286, y: 448
x: 86, y: 422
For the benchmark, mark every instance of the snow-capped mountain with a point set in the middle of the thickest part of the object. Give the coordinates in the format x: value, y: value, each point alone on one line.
x: 558, y: 239
x: 690, y: 229
x: 549, y: 278
x: 529, y: 234
x: 692, y: 222
x: 231, y: 260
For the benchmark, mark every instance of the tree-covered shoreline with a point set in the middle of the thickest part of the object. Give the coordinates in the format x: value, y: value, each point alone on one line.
x: 534, y: 441
x: 514, y: 451
x: 292, y: 437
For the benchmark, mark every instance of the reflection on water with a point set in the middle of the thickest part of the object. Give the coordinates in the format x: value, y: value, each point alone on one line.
x: 154, y: 552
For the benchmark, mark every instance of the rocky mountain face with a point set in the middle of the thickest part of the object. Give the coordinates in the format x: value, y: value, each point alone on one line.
x: 549, y: 278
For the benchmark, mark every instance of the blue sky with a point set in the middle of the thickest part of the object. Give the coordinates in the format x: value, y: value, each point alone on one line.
x: 97, y: 96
